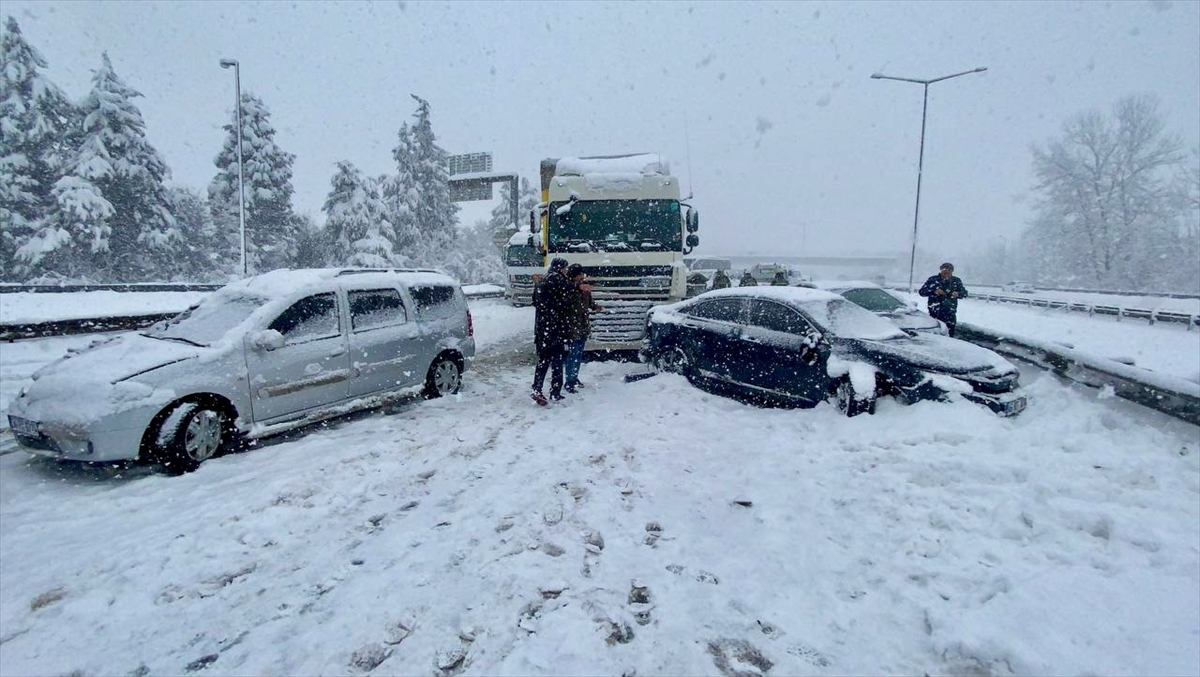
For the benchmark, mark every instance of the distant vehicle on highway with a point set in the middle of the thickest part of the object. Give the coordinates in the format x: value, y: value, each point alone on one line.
x: 763, y: 273
x: 885, y: 304
x: 1018, y: 288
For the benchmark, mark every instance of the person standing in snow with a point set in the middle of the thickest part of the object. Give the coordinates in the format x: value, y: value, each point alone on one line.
x: 747, y: 280
x: 720, y: 280
x: 581, y: 325
x: 780, y: 279
x: 943, y: 291
x: 553, y: 299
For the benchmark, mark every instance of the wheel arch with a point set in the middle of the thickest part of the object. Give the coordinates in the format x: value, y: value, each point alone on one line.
x: 149, y: 446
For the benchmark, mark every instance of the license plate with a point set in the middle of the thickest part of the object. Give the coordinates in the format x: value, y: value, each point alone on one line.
x: 1014, y: 407
x: 23, y: 426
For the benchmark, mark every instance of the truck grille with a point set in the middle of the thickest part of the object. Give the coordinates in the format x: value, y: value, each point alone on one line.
x: 623, y: 321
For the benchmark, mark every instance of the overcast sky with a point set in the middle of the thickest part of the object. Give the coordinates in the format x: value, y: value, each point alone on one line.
x: 766, y: 110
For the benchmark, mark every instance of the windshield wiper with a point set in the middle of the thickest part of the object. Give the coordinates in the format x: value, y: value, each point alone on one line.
x: 175, y: 338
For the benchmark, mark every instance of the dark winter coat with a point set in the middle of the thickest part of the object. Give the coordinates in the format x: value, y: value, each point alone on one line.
x: 748, y: 281
x: 720, y: 280
x: 553, y: 303
x: 945, y: 307
x: 780, y: 280
x: 581, y: 309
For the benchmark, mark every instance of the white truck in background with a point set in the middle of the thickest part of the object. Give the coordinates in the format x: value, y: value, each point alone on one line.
x: 524, y: 265
x: 622, y: 218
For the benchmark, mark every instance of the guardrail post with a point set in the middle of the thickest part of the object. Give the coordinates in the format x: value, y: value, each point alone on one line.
x: 1091, y: 310
x: 1120, y: 313
x: 1152, y: 318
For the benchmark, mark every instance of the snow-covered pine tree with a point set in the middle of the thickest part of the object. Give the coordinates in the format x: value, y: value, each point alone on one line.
x: 435, y: 216
x: 271, y: 228
x: 34, y: 118
x: 112, y: 212
x: 201, y: 254
x: 501, y: 218
x: 356, y: 221
x: 400, y: 194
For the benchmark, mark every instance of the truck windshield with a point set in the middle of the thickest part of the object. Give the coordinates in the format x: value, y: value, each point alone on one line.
x: 522, y: 256
x: 615, y: 225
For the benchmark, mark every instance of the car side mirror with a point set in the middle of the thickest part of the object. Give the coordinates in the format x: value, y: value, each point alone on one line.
x: 268, y: 339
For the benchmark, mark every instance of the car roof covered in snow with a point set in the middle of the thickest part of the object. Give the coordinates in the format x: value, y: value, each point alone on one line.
x: 286, y: 282
x: 845, y: 284
x: 787, y: 294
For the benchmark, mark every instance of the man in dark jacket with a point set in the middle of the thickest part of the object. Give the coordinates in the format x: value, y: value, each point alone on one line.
x: 720, y: 280
x: 943, y: 291
x: 780, y: 279
x: 747, y: 280
x: 552, y: 303
x: 582, y: 307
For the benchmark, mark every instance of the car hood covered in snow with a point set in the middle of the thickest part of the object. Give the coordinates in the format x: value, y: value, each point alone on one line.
x: 116, y: 359
x: 934, y: 353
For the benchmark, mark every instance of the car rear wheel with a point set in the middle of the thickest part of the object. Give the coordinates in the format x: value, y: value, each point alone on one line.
x: 850, y: 403
x: 444, y: 378
x: 191, y: 434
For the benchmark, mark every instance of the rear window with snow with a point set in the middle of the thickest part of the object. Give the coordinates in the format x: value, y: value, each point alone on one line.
x: 843, y: 319
x: 434, y: 301
x: 376, y: 308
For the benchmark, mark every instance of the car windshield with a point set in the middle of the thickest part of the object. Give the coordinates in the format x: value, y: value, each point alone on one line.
x: 874, y: 300
x: 844, y: 319
x: 616, y: 225
x: 206, y: 322
x: 522, y: 256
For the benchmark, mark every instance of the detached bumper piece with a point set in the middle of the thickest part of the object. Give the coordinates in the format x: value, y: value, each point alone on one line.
x: 1004, y: 404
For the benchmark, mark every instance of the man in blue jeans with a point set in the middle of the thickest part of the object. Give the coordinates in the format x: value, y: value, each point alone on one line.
x: 581, y: 325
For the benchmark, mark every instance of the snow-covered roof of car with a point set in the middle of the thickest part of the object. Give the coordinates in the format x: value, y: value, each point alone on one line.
x: 790, y: 294
x: 278, y: 283
x: 845, y: 284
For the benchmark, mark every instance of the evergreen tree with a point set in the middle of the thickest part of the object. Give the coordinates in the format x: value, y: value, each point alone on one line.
x: 356, y: 220
x: 435, y: 215
x: 400, y: 195
x: 34, y: 119
x: 312, y: 246
x: 201, y: 254
x: 502, y: 213
x: 112, y: 215
x: 271, y: 227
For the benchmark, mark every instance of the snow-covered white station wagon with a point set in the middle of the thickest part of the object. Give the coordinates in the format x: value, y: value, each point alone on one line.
x: 257, y: 356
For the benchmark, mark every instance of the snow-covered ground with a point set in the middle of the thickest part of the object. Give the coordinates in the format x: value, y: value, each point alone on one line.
x: 1142, y: 302
x: 641, y: 528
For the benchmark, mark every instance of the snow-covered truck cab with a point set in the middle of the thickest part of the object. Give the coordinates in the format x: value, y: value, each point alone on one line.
x: 524, y: 264
x: 622, y: 219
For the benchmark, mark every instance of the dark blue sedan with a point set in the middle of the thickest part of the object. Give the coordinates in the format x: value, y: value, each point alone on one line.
x: 801, y: 346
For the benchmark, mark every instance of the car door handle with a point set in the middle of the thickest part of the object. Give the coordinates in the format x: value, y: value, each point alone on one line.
x: 752, y: 339
x: 337, y: 351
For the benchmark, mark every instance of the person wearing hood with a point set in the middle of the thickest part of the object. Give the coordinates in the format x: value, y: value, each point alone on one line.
x: 780, y: 279
x: 553, y: 299
x: 720, y: 280
x: 747, y: 280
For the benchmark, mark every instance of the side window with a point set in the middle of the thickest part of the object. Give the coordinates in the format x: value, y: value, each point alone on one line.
x: 725, y: 310
x: 376, y: 308
x: 433, y: 301
x: 777, y: 317
x: 309, y: 318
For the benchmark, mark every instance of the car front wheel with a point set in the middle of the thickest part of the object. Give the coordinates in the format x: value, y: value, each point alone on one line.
x: 850, y: 403
x: 675, y: 360
x: 444, y: 378
x: 192, y: 434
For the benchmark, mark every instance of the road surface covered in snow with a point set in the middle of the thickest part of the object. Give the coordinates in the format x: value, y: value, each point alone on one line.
x: 647, y: 528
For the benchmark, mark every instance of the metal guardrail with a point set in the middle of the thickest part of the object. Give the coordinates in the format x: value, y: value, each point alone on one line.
x: 131, y: 287
x: 1093, y: 309
x: 1112, y: 292
x: 90, y: 325
x: 1173, y: 396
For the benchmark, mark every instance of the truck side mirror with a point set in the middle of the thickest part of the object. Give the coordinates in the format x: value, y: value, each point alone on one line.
x: 693, y: 221
x: 693, y: 241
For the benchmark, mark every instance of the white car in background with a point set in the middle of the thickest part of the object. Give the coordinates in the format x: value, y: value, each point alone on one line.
x: 1018, y: 288
x: 258, y: 356
x: 884, y: 303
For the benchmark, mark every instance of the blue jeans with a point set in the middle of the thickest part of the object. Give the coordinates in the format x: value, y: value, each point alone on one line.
x: 573, y: 360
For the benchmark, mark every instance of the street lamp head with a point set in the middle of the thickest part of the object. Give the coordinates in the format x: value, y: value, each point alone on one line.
x: 876, y: 76
x: 229, y: 63
x: 981, y: 69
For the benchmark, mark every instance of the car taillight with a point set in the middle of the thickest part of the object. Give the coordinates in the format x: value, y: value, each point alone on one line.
x: 470, y: 325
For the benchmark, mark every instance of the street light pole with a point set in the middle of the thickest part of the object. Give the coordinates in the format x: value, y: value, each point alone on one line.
x: 912, y: 259
x: 237, y: 80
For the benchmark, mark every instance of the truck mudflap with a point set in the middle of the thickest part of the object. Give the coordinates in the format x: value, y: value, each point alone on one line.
x: 621, y: 326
